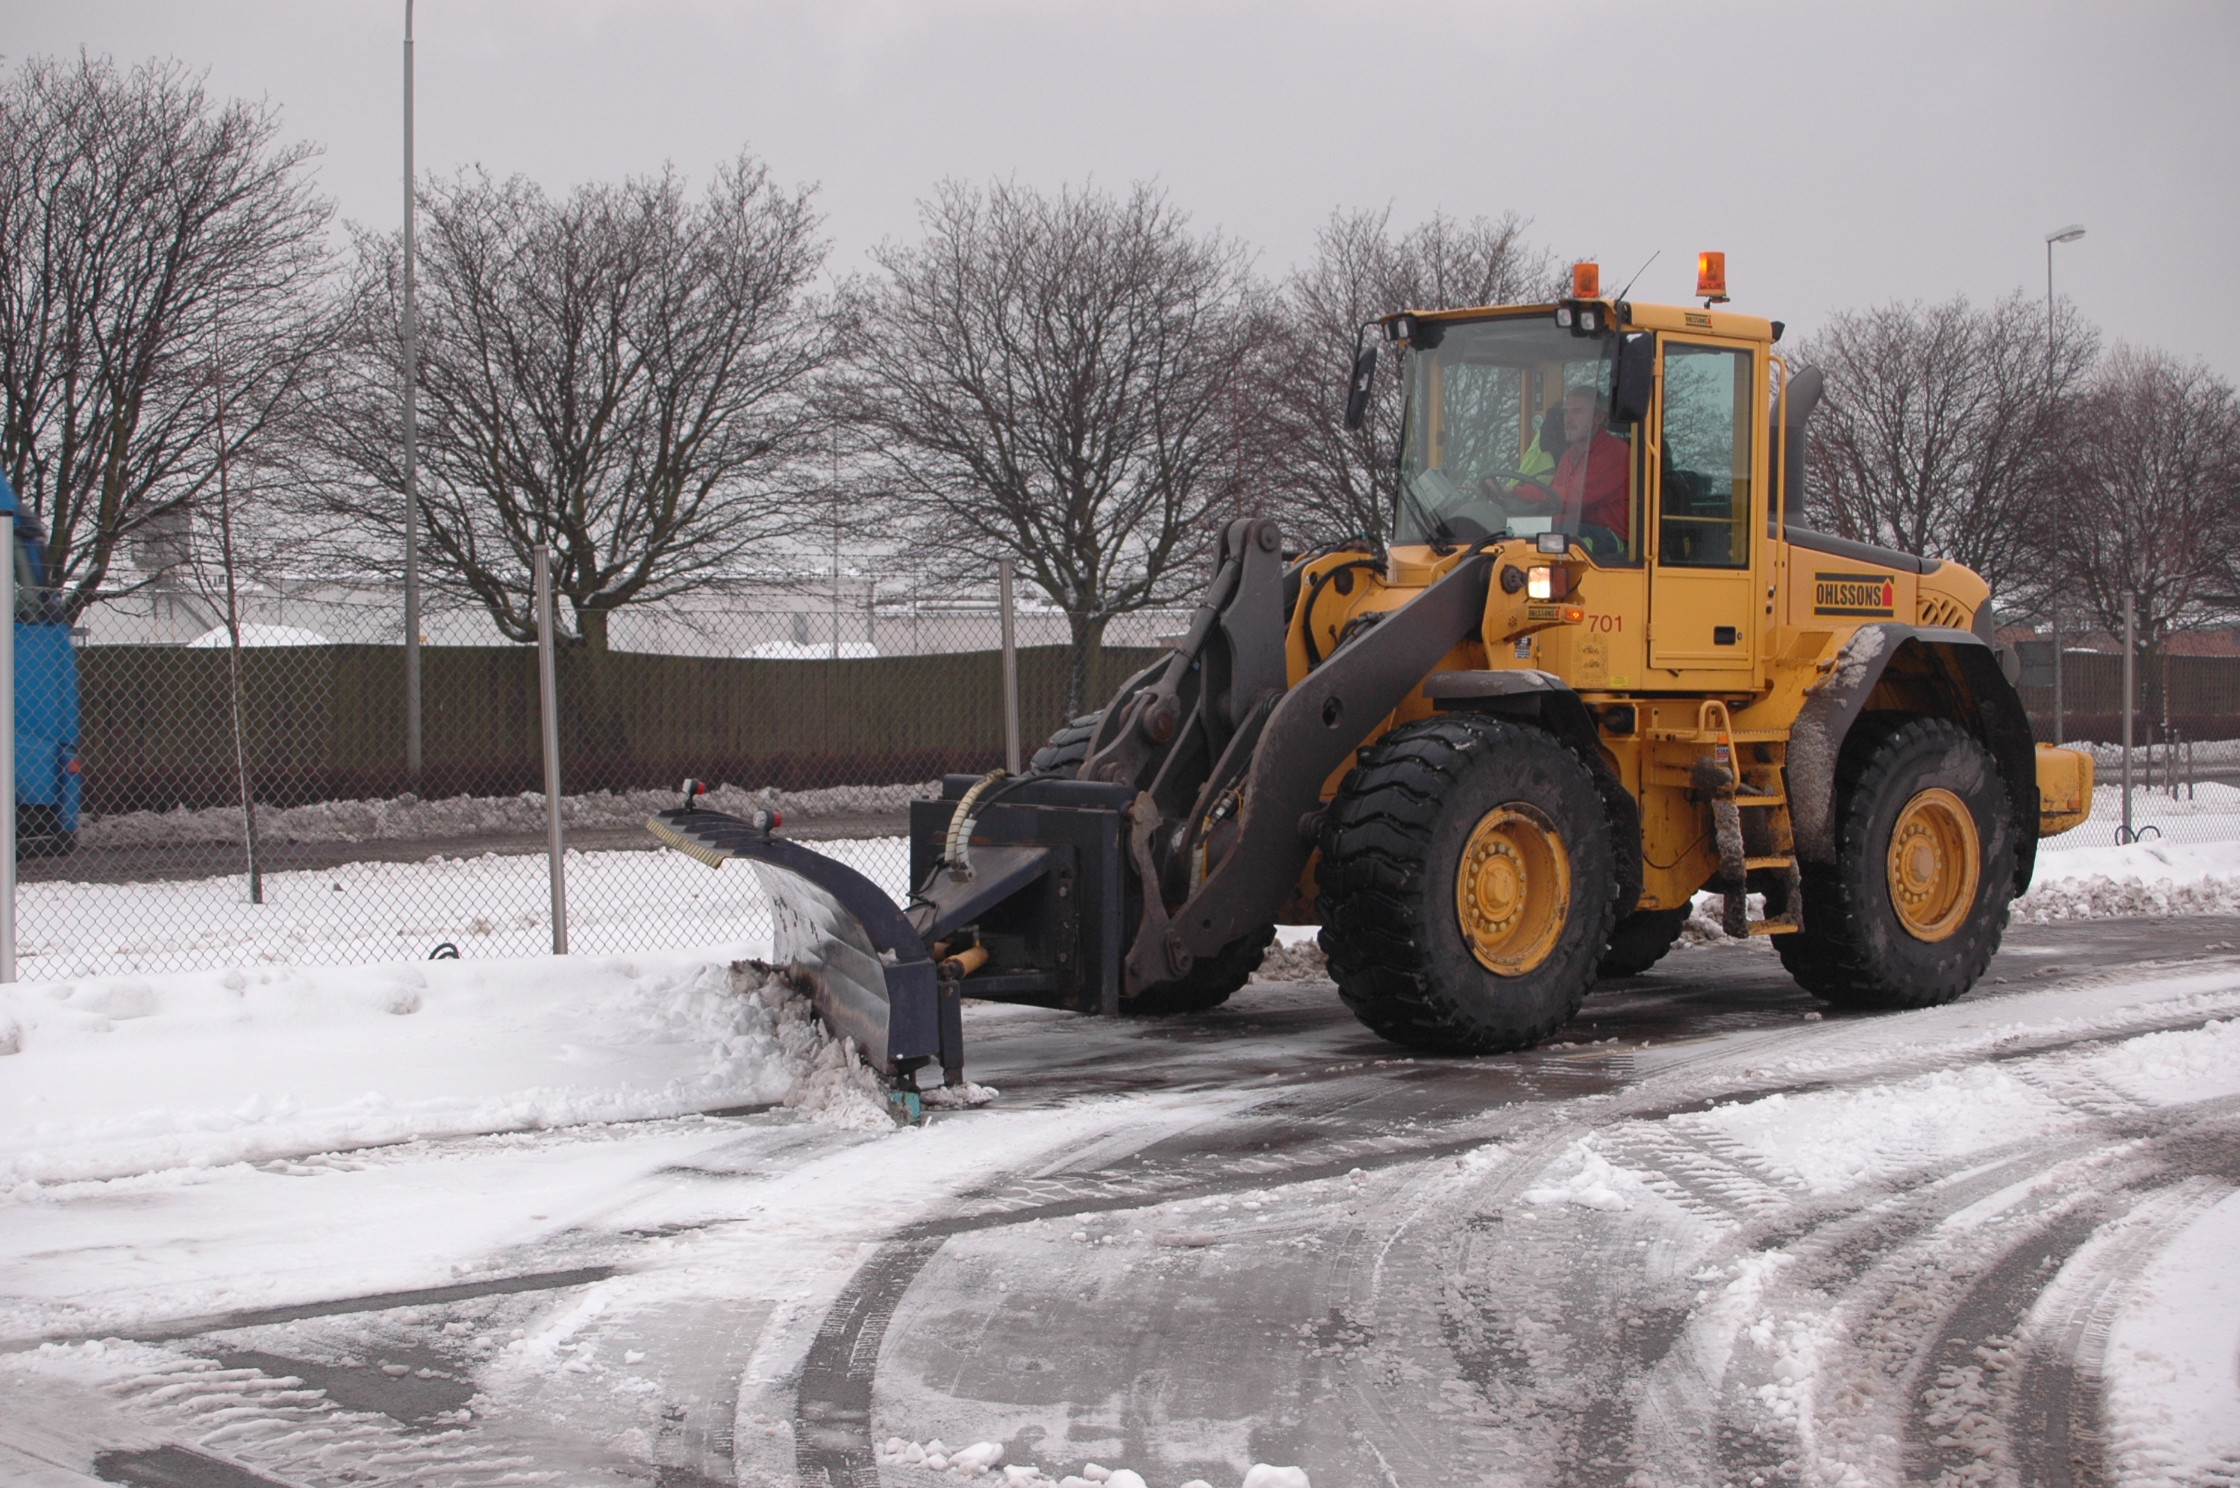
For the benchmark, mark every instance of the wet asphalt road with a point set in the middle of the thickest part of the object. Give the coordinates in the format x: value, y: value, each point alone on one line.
x: 1277, y: 1238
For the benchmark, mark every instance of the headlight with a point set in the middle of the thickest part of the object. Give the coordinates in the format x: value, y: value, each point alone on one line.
x: 1547, y: 581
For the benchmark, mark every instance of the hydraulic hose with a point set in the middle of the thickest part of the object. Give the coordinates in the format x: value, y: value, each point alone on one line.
x: 957, y: 851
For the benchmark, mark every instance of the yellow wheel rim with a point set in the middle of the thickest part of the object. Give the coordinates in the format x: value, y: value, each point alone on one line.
x: 1934, y: 865
x: 1512, y: 889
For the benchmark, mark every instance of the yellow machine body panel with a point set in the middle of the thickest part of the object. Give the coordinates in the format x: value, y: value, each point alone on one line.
x: 2064, y: 789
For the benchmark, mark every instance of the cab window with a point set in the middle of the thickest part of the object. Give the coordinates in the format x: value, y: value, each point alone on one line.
x: 1507, y: 432
x: 1704, y: 460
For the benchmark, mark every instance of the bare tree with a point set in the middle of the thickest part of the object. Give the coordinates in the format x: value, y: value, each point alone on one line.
x: 1061, y: 378
x: 2151, y: 493
x: 622, y: 375
x: 141, y: 224
x: 1334, y: 482
x: 1940, y: 428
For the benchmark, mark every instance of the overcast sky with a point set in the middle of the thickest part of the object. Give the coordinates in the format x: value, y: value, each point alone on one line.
x: 1840, y: 156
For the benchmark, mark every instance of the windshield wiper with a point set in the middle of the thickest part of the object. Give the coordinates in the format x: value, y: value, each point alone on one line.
x: 1442, y: 536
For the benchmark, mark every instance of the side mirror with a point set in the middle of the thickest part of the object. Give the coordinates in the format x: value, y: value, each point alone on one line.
x: 1357, y: 392
x: 1637, y: 380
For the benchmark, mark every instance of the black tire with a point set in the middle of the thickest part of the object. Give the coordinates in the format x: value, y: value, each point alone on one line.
x: 1209, y: 983
x: 1856, y: 949
x: 1066, y: 749
x: 1639, y: 941
x: 1392, y: 849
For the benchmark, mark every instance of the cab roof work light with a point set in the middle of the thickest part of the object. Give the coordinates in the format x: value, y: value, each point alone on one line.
x: 1711, y: 278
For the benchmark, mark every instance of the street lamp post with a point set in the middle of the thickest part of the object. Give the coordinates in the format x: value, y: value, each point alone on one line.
x: 412, y: 756
x: 2067, y: 234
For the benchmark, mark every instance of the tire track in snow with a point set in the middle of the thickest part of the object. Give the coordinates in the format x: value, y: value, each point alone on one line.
x: 1716, y: 1183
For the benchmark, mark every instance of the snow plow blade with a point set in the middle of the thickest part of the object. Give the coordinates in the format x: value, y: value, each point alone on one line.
x: 1021, y: 902
x: 839, y: 936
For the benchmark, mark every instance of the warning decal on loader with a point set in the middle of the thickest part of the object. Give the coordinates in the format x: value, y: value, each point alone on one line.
x: 1854, y: 594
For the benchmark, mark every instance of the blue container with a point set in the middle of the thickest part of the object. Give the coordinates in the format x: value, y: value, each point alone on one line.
x: 48, y: 786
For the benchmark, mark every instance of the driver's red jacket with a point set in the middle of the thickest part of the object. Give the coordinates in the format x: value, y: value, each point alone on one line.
x: 1590, y: 479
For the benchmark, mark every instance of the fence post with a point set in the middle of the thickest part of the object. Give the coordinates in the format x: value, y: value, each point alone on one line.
x: 2057, y: 671
x: 1010, y: 669
x: 2128, y: 648
x: 8, y: 750
x: 548, y: 714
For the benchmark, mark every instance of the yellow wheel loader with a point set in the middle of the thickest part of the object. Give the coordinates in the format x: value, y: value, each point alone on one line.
x: 1601, y: 666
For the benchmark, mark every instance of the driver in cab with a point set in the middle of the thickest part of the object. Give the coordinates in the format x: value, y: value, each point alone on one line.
x: 1588, y: 488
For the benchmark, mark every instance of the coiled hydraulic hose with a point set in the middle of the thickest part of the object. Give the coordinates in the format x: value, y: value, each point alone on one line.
x: 957, y: 852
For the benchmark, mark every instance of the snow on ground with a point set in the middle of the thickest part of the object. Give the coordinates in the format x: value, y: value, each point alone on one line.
x: 2083, y: 883
x: 983, y: 1461
x: 409, y: 818
x: 2141, y: 878
x: 2172, y: 1402
x: 623, y: 901
x: 2206, y: 752
x: 2206, y: 812
x: 108, y: 1077
x: 495, y: 905
x: 2173, y: 1397
x: 1830, y: 1142
x: 626, y: 901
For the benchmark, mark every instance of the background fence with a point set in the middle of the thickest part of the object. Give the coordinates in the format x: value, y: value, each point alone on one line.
x: 2195, y: 697
x: 356, y: 858
x: 836, y: 715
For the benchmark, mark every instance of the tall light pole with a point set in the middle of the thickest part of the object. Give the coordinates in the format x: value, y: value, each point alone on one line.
x: 411, y: 379
x: 2067, y: 234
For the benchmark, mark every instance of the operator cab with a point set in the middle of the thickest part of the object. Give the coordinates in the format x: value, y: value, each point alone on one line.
x: 1508, y: 433
x: 1639, y: 434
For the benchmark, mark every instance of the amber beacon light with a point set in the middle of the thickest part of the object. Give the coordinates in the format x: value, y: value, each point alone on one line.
x: 1711, y: 277
x: 1586, y: 281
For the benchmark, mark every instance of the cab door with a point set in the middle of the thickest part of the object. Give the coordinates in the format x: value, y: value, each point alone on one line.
x: 1702, y: 463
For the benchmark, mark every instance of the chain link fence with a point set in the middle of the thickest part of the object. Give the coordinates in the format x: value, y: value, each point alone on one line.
x: 2185, y: 755
x: 189, y: 803
x: 222, y: 805
x: 2182, y: 792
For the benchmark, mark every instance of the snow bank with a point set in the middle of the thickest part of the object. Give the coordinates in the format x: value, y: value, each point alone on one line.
x: 1293, y: 961
x: 2206, y: 752
x: 491, y: 906
x: 1594, y: 1184
x: 409, y: 818
x: 2084, y: 883
x: 258, y: 635
x: 112, y: 1076
x: 2143, y: 878
x: 1829, y: 1142
x: 2208, y: 811
x: 2174, y: 1068
x: 980, y: 1462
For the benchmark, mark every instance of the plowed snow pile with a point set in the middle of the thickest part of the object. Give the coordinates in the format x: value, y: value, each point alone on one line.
x: 2144, y: 878
x: 106, y: 1077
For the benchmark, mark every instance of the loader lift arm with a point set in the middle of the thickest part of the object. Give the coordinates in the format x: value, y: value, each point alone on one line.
x: 1194, y: 808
